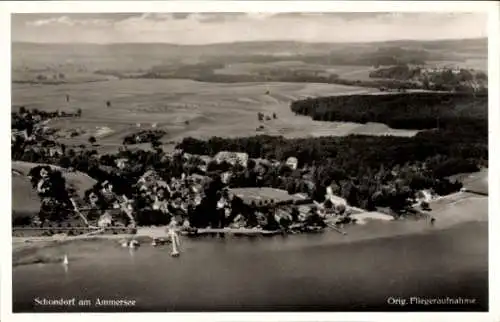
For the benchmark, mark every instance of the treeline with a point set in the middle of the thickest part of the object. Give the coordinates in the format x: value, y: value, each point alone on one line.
x: 417, y: 110
x: 463, y: 80
x: 401, y: 72
x: 383, y: 56
x: 354, y: 153
x: 205, y: 72
x: 368, y: 171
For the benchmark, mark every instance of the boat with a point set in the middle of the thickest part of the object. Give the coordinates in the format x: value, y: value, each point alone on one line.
x: 133, y: 244
x: 175, y: 242
x: 65, y: 260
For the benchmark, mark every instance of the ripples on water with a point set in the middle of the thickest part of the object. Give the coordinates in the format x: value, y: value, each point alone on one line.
x: 304, y: 272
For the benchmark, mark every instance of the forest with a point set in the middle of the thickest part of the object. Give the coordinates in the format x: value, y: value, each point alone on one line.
x: 417, y: 110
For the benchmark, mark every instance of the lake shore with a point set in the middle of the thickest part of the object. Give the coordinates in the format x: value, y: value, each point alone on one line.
x: 456, y: 209
x: 318, y: 272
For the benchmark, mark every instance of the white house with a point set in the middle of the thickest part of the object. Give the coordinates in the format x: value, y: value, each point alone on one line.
x: 292, y: 162
x: 121, y: 163
x: 225, y: 177
x: 105, y: 220
x: 335, y: 200
x: 232, y: 157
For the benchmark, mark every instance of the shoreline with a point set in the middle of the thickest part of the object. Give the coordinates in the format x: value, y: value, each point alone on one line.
x: 46, y: 251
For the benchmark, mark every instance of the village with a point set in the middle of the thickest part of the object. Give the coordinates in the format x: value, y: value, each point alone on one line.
x: 202, y: 194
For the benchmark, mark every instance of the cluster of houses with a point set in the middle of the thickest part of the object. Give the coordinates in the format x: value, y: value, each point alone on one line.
x: 181, y: 195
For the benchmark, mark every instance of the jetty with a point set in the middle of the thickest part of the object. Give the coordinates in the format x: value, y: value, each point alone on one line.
x: 231, y: 231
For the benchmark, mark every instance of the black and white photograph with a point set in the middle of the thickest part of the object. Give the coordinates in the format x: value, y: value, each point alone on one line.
x: 242, y: 161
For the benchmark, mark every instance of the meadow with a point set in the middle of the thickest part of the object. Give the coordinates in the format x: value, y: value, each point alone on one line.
x: 187, y: 108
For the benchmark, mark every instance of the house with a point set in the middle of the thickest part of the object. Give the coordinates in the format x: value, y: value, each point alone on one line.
x: 105, y: 220
x: 335, y: 200
x: 55, y: 151
x: 121, y: 163
x: 232, y: 157
x: 292, y: 162
x: 283, y: 213
x: 262, y: 197
x: 226, y: 177
x: 205, y: 159
x: 93, y: 199
x: 262, y: 163
x: 149, y: 177
x: 43, y: 173
x: 305, y: 211
x: 161, y: 205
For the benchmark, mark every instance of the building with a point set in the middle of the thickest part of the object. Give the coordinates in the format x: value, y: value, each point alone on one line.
x: 232, y: 158
x: 335, y: 200
x: 262, y: 197
x: 121, y: 163
x: 292, y: 162
x: 105, y: 220
x: 149, y: 178
x: 226, y: 177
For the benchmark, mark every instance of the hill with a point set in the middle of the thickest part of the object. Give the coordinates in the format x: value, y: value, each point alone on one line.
x: 136, y: 57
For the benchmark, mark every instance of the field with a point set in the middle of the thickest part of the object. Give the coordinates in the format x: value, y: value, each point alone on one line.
x: 187, y: 108
x: 25, y: 200
x: 343, y: 71
x: 460, y: 207
x: 474, y: 182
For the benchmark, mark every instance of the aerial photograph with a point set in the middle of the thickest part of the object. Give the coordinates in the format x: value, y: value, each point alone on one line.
x: 249, y: 162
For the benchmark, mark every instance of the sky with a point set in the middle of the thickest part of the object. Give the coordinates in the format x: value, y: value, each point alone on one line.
x: 204, y: 28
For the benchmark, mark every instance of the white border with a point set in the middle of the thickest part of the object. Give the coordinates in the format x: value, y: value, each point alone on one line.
x: 253, y: 6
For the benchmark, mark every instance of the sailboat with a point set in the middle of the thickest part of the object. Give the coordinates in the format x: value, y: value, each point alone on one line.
x: 65, y: 260
x: 175, y: 244
x: 133, y: 244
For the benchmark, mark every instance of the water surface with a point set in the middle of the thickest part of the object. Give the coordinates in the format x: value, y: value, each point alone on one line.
x: 322, y: 272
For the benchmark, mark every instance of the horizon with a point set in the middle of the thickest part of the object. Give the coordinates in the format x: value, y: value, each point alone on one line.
x: 247, y: 42
x: 222, y: 28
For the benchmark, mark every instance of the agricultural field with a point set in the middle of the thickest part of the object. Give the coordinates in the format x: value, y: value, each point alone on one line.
x: 460, y: 207
x: 25, y: 200
x: 343, y: 71
x: 186, y: 108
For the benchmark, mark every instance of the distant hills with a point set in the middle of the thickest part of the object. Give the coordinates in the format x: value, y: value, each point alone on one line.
x: 157, y: 53
x: 81, y: 62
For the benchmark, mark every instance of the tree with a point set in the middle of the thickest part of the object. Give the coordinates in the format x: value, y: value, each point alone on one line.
x: 155, y: 144
x: 92, y: 140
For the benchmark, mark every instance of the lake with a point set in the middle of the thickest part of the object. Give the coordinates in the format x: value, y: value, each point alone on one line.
x: 315, y: 272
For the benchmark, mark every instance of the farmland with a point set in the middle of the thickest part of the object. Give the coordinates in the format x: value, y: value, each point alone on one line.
x: 186, y: 108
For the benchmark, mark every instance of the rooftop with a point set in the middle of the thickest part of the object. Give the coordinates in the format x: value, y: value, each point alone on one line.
x: 262, y: 194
